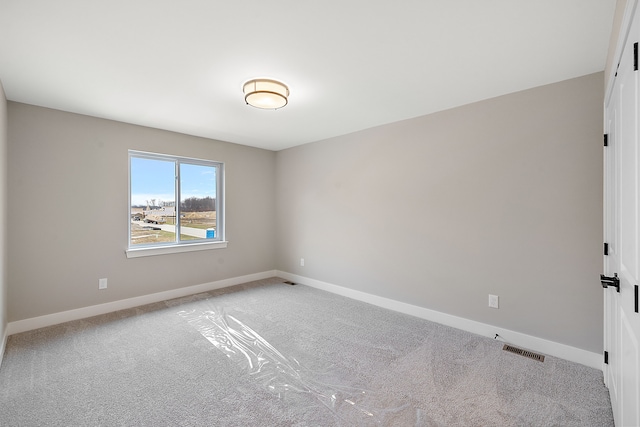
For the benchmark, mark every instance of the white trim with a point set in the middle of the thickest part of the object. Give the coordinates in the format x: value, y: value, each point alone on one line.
x: 3, y: 344
x: 95, y: 310
x: 551, y: 348
x: 163, y: 250
x: 625, y: 27
x: 573, y: 354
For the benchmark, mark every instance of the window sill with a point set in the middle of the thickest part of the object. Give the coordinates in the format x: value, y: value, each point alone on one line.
x: 163, y: 250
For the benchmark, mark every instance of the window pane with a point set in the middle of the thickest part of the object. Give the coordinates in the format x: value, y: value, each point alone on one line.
x: 153, y: 201
x: 198, y: 202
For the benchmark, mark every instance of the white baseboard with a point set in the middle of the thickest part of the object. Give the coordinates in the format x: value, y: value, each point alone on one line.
x: 573, y: 354
x: 3, y: 344
x: 94, y: 310
x: 530, y: 342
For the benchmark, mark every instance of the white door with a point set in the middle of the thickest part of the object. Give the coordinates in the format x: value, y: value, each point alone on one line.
x: 622, y: 215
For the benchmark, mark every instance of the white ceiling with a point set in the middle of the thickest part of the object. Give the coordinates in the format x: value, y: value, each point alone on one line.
x: 350, y: 64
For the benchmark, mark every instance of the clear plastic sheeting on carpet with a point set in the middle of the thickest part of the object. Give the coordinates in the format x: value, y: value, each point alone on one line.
x: 285, y: 377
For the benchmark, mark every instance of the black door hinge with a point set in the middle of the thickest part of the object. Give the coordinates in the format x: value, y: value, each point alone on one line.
x: 606, y: 249
x: 636, y: 292
x: 614, y: 281
x: 606, y: 140
x: 606, y: 357
x: 635, y: 56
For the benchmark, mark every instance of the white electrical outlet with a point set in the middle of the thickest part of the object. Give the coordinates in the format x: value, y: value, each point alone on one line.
x: 494, y: 301
x: 102, y: 284
x: 301, y: 262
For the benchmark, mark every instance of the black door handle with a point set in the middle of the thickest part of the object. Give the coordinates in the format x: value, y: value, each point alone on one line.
x: 610, y: 281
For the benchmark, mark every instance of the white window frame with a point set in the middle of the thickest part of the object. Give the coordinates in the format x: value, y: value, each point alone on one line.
x: 180, y: 246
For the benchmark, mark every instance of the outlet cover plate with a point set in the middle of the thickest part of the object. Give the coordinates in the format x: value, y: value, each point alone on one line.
x: 494, y: 301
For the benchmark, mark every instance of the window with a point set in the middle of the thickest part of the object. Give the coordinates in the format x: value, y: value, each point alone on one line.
x: 175, y: 204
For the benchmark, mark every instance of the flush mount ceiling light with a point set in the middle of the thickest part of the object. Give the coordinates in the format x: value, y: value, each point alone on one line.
x: 265, y: 93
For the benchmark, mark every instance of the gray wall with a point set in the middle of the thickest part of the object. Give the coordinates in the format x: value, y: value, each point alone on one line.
x: 68, y: 178
x: 3, y: 214
x: 503, y: 196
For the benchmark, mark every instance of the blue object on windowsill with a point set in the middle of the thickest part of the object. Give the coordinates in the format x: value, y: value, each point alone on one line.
x: 211, y: 233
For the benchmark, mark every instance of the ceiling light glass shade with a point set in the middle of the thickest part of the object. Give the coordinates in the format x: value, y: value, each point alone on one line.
x: 265, y: 93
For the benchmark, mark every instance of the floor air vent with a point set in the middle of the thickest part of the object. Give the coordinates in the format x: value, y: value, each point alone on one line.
x: 525, y: 353
x: 289, y: 283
